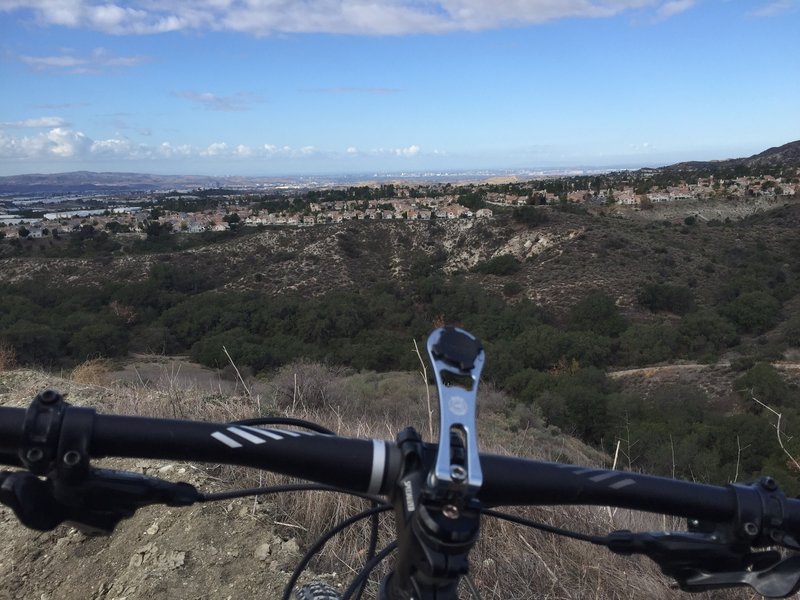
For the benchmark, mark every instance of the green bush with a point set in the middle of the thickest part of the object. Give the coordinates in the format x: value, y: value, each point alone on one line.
x: 503, y: 264
x: 753, y: 312
x: 663, y: 297
x: 706, y: 331
x: 530, y: 215
x: 763, y: 382
x: 597, y: 312
x: 512, y: 288
x: 643, y: 344
x: 791, y: 332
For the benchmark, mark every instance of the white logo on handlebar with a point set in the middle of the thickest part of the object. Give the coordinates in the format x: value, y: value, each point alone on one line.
x: 457, y: 405
x: 409, y: 494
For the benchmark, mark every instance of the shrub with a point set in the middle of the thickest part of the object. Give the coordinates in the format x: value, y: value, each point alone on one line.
x: 753, y: 312
x: 503, y: 264
x: 529, y: 215
x: 706, y: 331
x: 763, y: 382
x: 791, y: 332
x: 512, y: 288
x: 662, y: 297
x: 643, y: 344
x: 597, y: 312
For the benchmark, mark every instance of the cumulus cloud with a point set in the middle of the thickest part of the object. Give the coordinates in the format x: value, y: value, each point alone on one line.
x: 233, y: 103
x: 243, y: 151
x: 407, y: 152
x: 412, y: 150
x: 361, y: 17
x: 215, y: 149
x: 97, y: 61
x: 65, y: 143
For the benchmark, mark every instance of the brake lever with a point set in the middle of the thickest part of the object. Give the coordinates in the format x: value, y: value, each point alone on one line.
x: 780, y: 580
x: 705, y: 561
x: 95, y: 505
x: 457, y: 359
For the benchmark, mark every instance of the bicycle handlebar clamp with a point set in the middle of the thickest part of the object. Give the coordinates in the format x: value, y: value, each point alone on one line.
x: 457, y: 358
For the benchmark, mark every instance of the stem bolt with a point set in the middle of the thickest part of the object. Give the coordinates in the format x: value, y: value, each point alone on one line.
x: 72, y: 458
x: 34, y: 455
x: 751, y: 529
x: 458, y: 473
x: 451, y: 511
x: 49, y: 396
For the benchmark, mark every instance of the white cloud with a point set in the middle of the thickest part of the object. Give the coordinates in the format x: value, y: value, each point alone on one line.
x: 243, y: 151
x: 235, y: 102
x: 121, y: 148
x: 64, y: 143
x: 97, y: 61
x: 412, y: 150
x: 215, y: 149
x: 168, y: 150
x: 362, y: 17
x: 675, y: 7
x: 67, y: 143
x: 35, y: 123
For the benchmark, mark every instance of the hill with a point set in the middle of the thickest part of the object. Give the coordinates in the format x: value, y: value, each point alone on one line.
x: 787, y: 155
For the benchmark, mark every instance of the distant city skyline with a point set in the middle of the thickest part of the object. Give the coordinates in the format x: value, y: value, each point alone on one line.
x: 256, y: 88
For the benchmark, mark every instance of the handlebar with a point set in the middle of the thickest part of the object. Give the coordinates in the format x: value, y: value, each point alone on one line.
x: 438, y: 491
x: 373, y: 466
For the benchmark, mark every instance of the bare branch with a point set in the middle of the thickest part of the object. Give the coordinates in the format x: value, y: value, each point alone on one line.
x: 778, y: 430
x: 427, y: 389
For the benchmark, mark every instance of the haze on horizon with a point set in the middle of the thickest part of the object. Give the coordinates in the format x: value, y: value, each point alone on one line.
x: 249, y: 87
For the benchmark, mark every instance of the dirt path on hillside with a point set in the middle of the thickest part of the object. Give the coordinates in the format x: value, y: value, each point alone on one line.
x: 688, y: 367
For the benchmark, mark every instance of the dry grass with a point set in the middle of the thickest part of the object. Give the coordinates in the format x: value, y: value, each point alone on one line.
x: 510, y: 562
x: 92, y: 372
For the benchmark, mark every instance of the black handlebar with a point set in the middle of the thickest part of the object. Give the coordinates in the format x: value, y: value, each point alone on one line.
x: 372, y: 466
x: 440, y: 525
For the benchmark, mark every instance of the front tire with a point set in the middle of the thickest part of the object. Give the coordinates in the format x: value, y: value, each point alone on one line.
x: 317, y: 591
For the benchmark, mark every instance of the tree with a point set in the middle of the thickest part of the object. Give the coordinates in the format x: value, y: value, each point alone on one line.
x: 753, y: 311
x: 23, y: 232
x: 503, y: 264
x: 232, y: 219
x: 763, y: 382
x: 530, y: 215
x: 155, y: 229
x: 597, y: 312
x: 662, y: 297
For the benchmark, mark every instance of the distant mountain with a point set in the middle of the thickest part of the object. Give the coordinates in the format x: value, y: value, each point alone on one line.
x: 787, y: 155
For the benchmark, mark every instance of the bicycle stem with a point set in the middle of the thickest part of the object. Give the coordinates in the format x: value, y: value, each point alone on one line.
x: 436, y: 507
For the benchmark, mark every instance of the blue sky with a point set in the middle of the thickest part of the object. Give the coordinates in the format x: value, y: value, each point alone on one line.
x: 282, y: 87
